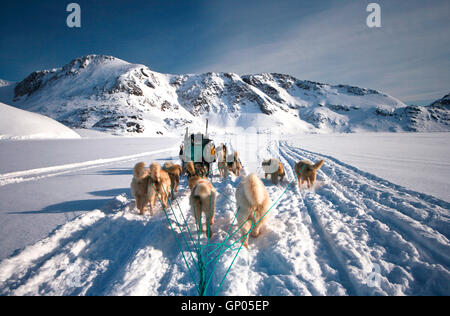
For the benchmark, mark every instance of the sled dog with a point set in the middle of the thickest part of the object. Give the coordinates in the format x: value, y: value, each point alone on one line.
x: 306, y: 171
x: 201, y: 169
x: 203, y: 201
x: 190, y: 169
x: 159, y: 186
x: 192, y: 175
x: 274, y: 164
x: 195, y: 172
x: 174, y: 172
x: 139, y: 186
x: 253, y: 202
x: 222, y: 157
x: 236, y: 165
x: 183, y: 160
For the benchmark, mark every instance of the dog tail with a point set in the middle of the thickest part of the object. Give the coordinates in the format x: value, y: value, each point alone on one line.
x: 202, y: 190
x: 318, y: 165
x: 155, y: 172
x: 173, y: 170
x: 254, y: 189
x: 139, y: 171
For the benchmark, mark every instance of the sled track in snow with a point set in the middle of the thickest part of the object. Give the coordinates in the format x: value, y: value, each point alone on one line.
x: 104, y: 252
x: 41, y: 173
x: 288, y: 161
x: 419, y: 216
x: 382, y: 218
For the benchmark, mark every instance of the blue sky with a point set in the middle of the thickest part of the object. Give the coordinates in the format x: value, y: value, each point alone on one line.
x: 326, y: 41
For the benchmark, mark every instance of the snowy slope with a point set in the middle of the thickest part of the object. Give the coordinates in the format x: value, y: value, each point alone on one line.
x: 354, y: 234
x: 106, y: 93
x: 443, y: 104
x: 19, y: 124
x: 438, y: 116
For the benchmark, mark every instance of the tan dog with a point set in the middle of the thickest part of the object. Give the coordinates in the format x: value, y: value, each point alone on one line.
x: 174, y: 172
x: 159, y: 186
x: 276, y: 176
x: 236, y: 165
x: 193, y: 178
x: 190, y: 168
x: 222, y: 164
x: 253, y: 202
x: 139, y: 186
x: 196, y: 169
x: 168, y: 164
x: 201, y: 169
x: 192, y: 181
x: 307, y: 171
x: 203, y: 201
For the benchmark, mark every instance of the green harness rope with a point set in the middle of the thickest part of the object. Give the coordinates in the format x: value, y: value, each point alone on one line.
x: 175, y: 236
x: 279, y: 198
x: 222, y: 247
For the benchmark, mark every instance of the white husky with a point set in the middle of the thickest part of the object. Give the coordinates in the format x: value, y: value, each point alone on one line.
x: 253, y: 202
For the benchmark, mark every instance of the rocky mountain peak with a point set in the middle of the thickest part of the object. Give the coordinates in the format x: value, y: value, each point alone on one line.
x: 107, y: 93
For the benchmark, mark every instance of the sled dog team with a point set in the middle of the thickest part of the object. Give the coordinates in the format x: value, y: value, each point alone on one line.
x: 253, y: 201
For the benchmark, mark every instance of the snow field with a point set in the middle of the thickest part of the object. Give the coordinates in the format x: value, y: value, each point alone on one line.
x: 353, y: 234
x: 39, y: 173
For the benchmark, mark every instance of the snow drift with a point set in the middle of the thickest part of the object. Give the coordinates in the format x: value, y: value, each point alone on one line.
x: 19, y: 124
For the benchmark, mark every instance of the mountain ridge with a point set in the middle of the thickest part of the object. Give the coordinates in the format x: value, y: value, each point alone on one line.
x: 109, y: 94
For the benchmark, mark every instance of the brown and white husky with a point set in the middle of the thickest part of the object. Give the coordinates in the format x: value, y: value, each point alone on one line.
x: 159, y: 186
x: 236, y: 165
x: 275, y: 169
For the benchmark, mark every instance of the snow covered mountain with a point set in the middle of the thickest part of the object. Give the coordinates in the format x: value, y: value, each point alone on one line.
x: 106, y: 93
x: 4, y: 83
